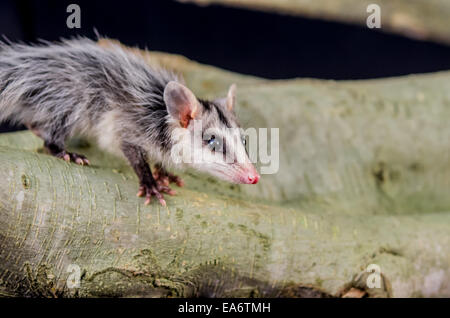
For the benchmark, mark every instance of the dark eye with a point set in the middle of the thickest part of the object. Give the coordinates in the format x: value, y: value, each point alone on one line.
x: 214, y: 143
x: 244, y: 141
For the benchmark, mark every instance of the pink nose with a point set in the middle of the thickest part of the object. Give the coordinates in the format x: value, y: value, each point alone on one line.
x: 253, y: 179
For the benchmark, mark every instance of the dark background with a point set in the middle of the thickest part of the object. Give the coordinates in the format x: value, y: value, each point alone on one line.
x: 262, y: 44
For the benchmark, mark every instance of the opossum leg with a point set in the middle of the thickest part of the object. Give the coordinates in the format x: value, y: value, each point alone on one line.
x: 55, y: 146
x: 162, y: 176
x: 148, y: 186
x: 34, y: 130
x: 59, y: 152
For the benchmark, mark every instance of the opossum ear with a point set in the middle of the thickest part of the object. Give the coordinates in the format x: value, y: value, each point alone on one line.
x: 229, y: 101
x: 181, y: 103
x: 231, y: 97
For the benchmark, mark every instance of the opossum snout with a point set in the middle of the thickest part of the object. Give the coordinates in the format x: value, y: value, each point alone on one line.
x: 249, y: 176
x: 253, y: 179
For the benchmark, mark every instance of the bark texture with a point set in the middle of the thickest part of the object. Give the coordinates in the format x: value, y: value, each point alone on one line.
x: 363, y: 179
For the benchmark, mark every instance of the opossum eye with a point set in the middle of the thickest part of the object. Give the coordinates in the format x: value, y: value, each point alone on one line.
x: 244, y: 141
x: 215, y: 143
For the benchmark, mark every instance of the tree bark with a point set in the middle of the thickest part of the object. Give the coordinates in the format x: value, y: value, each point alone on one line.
x: 363, y: 179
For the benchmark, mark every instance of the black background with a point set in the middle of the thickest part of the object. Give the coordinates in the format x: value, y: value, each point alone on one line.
x: 262, y: 44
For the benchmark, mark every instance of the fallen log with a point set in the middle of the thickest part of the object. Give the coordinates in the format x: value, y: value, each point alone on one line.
x: 363, y: 179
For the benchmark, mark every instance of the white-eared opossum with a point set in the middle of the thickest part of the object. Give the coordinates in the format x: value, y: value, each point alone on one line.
x: 77, y: 87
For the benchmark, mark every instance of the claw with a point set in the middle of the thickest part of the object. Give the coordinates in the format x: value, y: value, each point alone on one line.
x: 141, y: 192
x: 66, y: 157
x: 159, y: 184
x: 164, y: 178
x: 150, y: 191
x: 73, y: 157
x: 165, y: 181
x: 179, y: 182
x: 166, y: 189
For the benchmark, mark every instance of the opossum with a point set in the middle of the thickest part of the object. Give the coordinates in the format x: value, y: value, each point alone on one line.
x: 109, y: 94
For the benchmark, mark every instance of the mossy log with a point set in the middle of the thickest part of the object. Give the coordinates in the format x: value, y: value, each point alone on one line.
x: 364, y: 179
x: 420, y: 19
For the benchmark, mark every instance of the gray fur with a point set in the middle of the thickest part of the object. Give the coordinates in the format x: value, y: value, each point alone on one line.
x: 67, y: 88
x: 77, y: 87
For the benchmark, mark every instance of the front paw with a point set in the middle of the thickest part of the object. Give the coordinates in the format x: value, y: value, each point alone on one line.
x: 164, y: 178
x: 154, y: 190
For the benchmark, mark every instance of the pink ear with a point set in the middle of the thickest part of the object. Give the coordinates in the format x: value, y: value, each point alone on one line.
x: 181, y: 103
x: 231, y: 97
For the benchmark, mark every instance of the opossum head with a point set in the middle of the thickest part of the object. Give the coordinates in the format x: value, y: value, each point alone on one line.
x: 206, y: 135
